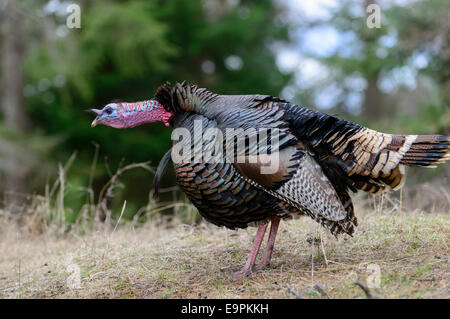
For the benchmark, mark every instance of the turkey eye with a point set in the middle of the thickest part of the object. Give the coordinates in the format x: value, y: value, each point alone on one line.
x: 108, y: 111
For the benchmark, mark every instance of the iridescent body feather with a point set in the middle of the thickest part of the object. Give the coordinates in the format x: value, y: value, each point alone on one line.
x: 323, y: 158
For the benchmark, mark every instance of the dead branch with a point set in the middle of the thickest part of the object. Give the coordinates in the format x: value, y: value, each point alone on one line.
x: 295, y: 293
x: 365, y: 289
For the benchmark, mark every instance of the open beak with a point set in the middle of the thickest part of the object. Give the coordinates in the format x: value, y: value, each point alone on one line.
x: 96, y: 112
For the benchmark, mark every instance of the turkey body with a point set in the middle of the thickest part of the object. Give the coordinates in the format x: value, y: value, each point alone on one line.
x: 217, y: 189
x: 236, y: 195
x: 321, y: 158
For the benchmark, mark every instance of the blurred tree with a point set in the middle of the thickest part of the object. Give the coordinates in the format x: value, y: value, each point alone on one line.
x: 392, y: 64
x: 423, y: 32
x: 15, y: 118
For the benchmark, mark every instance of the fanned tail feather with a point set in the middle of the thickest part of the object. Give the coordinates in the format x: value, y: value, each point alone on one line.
x: 358, y: 158
x: 428, y: 151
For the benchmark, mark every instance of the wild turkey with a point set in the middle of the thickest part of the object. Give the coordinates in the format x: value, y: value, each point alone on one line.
x: 321, y: 159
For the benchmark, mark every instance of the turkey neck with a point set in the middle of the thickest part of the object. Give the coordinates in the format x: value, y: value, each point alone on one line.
x: 139, y: 113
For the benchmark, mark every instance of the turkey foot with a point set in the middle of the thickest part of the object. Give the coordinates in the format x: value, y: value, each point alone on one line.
x: 266, y: 260
x: 248, y: 268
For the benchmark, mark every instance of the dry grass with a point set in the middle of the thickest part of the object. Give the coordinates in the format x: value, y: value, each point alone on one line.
x: 181, y: 261
x: 42, y: 255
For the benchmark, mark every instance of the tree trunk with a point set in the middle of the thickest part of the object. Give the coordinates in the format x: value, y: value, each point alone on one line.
x: 373, y: 108
x: 12, y: 101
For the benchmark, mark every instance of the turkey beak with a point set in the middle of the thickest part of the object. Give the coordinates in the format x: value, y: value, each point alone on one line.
x: 96, y: 112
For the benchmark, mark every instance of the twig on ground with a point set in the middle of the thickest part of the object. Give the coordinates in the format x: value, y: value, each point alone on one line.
x: 120, y: 217
x: 323, y: 248
x: 319, y: 288
x: 295, y: 293
x: 365, y: 289
x: 107, y: 188
x: 90, y: 193
x: 65, y: 168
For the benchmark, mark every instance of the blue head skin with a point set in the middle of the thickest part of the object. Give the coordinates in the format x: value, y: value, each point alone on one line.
x: 109, y: 116
x: 126, y: 115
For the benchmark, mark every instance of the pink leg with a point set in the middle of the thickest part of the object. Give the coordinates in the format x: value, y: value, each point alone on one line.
x: 270, y: 243
x: 247, y: 270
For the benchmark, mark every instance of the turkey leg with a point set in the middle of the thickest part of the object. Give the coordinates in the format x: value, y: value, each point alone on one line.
x: 247, y: 270
x: 270, y: 243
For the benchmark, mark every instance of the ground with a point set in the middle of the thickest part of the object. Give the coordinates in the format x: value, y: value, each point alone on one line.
x: 397, y: 254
